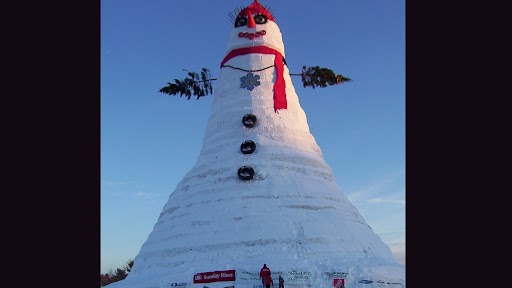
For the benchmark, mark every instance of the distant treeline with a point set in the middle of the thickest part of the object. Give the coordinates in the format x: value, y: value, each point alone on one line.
x: 119, y: 274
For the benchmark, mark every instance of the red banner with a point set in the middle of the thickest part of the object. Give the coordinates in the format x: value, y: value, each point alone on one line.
x: 215, y: 276
x: 338, y: 283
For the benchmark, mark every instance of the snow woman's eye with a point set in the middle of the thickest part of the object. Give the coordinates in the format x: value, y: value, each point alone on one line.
x: 241, y: 21
x: 260, y: 19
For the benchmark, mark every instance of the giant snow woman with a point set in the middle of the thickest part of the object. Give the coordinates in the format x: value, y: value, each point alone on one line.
x: 259, y: 158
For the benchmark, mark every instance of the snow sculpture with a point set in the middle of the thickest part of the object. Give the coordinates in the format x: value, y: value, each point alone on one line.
x: 289, y: 213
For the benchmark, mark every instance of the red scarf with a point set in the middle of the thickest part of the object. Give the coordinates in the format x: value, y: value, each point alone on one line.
x: 279, y: 86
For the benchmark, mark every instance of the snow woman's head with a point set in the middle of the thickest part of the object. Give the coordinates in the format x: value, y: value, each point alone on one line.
x: 254, y: 25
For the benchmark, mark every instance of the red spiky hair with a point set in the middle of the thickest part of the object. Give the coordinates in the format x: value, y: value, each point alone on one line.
x: 254, y: 8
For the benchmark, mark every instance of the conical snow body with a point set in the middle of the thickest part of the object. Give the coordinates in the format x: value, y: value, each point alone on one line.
x: 292, y: 210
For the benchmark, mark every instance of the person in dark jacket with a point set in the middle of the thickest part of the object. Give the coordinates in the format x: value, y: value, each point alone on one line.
x: 281, y: 282
x: 268, y: 281
x: 263, y: 273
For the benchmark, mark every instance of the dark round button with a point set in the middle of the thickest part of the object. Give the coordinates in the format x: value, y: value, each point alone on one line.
x: 245, y: 173
x: 248, y: 147
x: 249, y: 120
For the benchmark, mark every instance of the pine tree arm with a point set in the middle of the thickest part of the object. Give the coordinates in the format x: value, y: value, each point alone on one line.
x: 195, y: 84
x: 321, y: 77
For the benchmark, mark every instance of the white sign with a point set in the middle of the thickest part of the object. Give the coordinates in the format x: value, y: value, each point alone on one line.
x: 332, y: 275
x: 290, y: 277
x: 298, y: 277
x: 244, y: 276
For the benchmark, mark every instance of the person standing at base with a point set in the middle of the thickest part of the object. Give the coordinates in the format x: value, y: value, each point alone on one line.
x: 281, y: 282
x: 263, y: 273
x: 268, y: 281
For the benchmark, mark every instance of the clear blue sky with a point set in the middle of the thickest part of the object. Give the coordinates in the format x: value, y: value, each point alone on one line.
x: 150, y: 140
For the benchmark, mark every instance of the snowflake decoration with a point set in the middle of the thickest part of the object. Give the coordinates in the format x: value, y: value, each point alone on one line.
x: 250, y: 81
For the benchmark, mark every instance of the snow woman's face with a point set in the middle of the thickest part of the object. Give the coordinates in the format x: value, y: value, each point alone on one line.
x: 255, y: 26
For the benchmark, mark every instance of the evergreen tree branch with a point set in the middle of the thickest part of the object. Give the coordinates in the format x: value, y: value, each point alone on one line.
x: 195, y: 84
x: 321, y: 77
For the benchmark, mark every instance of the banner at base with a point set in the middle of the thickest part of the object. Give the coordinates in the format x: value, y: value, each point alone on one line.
x: 215, y: 276
x: 338, y: 283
